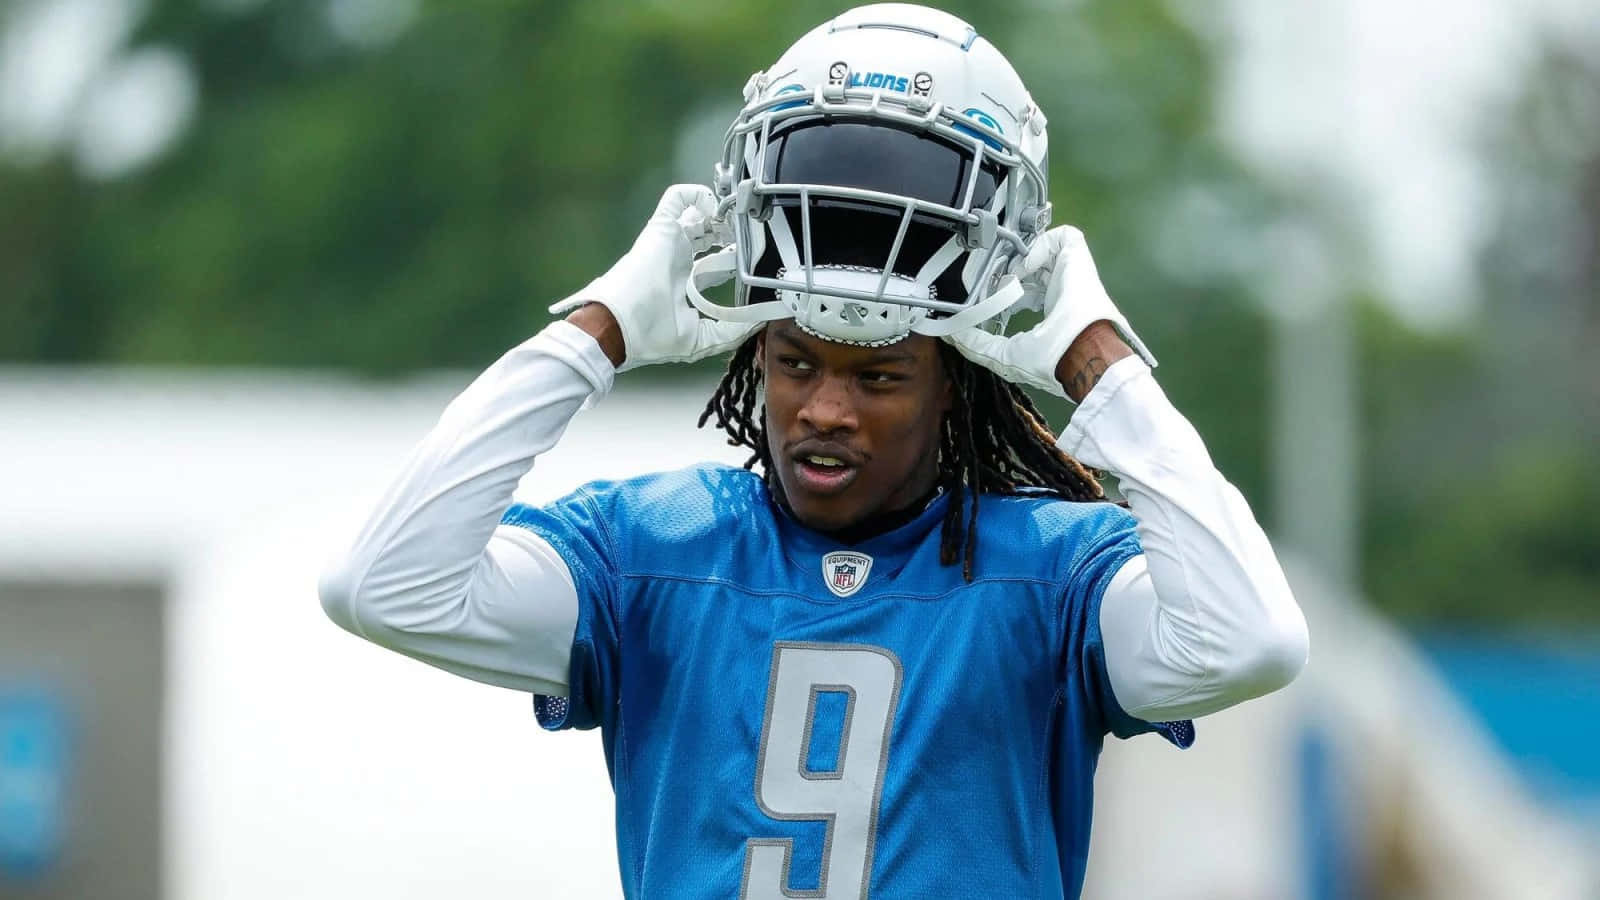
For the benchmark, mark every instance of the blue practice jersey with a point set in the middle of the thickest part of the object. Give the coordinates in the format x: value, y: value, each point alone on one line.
x: 786, y: 716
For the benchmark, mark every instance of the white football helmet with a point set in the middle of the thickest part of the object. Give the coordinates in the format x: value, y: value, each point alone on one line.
x: 880, y: 178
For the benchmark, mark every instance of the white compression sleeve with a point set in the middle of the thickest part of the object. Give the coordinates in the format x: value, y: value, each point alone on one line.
x: 1204, y: 618
x: 433, y: 575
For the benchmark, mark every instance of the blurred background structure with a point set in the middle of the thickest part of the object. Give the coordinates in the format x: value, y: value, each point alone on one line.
x: 248, y: 248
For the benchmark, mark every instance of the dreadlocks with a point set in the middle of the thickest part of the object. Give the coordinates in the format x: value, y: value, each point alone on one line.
x: 993, y: 440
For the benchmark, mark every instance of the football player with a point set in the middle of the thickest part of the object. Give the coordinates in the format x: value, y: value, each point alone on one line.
x: 881, y: 659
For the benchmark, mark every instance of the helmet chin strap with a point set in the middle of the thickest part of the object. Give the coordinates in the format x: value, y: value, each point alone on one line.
x: 1008, y: 293
x: 718, y: 268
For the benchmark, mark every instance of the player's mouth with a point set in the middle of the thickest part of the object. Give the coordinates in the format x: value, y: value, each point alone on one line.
x: 824, y: 470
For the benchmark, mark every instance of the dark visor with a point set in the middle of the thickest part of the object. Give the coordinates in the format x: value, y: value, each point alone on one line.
x: 878, y: 157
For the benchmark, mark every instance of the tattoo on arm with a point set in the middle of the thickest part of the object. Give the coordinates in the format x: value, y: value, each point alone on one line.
x: 1094, y: 351
x: 1087, y: 376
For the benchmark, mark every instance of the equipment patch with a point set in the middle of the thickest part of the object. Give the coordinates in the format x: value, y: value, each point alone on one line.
x: 844, y: 571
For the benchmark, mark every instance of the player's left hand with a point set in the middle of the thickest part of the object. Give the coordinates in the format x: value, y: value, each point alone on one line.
x: 1059, y: 276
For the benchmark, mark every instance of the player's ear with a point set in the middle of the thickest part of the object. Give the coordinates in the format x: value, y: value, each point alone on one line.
x: 761, y: 347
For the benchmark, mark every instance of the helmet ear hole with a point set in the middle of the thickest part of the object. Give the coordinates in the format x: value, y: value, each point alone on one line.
x: 951, y: 284
x: 766, y: 267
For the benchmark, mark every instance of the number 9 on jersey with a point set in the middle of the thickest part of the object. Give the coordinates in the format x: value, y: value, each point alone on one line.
x: 845, y: 796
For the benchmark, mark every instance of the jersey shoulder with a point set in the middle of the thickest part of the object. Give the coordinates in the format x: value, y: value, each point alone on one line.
x: 1027, y: 534
x: 668, y: 520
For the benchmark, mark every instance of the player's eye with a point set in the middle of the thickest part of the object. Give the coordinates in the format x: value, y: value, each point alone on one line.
x: 795, y: 363
x: 881, y: 379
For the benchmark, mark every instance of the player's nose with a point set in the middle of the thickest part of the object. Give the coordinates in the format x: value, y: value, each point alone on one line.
x: 829, y: 406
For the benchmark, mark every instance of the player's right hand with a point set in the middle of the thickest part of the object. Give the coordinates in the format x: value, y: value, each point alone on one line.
x: 645, y: 289
x: 1059, y: 277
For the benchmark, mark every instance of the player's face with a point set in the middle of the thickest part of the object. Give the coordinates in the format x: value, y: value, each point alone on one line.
x: 853, y: 431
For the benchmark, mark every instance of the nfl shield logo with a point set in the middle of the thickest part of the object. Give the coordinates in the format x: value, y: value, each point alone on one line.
x: 845, y: 572
x: 844, y: 575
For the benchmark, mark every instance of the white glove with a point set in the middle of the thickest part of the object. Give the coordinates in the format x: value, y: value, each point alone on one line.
x: 645, y: 289
x: 1059, y: 276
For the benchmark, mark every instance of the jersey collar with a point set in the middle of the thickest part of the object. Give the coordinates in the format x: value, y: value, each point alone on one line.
x: 889, y: 549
